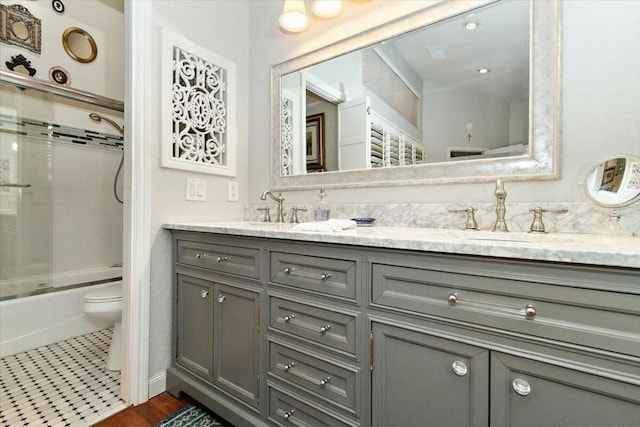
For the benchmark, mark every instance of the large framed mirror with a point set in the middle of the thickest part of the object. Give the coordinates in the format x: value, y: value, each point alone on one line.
x: 461, y: 91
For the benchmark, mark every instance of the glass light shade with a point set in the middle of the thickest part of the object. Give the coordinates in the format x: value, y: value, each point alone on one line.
x: 294, y: 16
x: 327, y: 8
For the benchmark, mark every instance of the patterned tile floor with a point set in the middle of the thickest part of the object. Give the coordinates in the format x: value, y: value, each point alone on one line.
x: 61, y: 384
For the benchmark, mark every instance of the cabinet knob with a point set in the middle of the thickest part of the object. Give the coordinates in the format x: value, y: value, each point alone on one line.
x: 204, y: 293
x: 460, y: 368
x: 453, y: 298
x: 221, y: 298
x: 201, y: 255
x: 286, y: 415
x: 530, y: 311
x: 222, y: 258
x: 324, y: 381
x: 521, y: 386
x: 324, y: 329
x: 288, y: 270
x: 289, y: 317
x: 288, y: 366
x: 325, y: 276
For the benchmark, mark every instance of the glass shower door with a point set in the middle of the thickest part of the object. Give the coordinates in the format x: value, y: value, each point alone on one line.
x: 25, y: 203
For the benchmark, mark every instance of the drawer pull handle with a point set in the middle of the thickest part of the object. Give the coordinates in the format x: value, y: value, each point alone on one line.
x: 322, y: 383
x: 521, y: 386
x: 530, y: 311
x: 323, y: 277
x: 223, y: 258
x: 324, y: 329
x: 288, y: 318
x: 221, y: 298
x: 460, y: 368
x: 288, y: 414
x: 204, y: 293
x: 453, y: 298
x: 201, y: 255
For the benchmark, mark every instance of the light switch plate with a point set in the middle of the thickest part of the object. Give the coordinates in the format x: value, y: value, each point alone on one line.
x: 232, y: 191
x: 196, y: 190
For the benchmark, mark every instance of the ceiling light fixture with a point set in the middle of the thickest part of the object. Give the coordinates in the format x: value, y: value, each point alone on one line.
x: 294, y: 16
x: 471, y: 25
x: 327, y: 8
x: 483, y: 70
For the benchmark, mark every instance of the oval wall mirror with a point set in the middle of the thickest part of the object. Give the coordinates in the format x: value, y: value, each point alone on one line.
x: 614, y: 182
x: 79, y: 45
x: 20, y: 30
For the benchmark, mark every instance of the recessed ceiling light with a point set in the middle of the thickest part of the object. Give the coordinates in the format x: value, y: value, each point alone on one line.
x: 483, y: 70
x: 471, y: 25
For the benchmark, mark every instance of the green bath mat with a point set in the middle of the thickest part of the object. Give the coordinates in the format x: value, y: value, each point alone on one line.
x: 190, y: 416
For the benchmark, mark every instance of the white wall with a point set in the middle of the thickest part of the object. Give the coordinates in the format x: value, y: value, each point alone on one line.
x: 221, y: 27
x: 601, y: 86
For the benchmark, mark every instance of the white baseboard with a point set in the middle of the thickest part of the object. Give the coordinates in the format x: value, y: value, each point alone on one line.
x: 157, y: 384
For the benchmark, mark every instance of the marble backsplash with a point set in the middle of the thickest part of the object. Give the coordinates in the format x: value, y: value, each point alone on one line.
x: 580, y: 218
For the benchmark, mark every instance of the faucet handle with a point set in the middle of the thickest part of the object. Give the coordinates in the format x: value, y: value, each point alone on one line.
x: 267, y: 215
x: 471, y: 223
x: 537, y: 226
x: 294, y: 214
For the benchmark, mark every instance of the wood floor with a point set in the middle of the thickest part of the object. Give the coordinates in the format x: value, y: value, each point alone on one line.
x: 149, y: 413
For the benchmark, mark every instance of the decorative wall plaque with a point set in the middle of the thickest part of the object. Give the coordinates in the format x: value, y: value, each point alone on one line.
x: 198, y: 108
x: 19, y: 27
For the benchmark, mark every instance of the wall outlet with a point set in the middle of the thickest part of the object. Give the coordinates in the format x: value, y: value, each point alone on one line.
x: 196, y: 189
x: 232, y: 191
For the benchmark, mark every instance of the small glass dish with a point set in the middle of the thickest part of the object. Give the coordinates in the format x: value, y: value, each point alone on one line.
x: 363, y: 222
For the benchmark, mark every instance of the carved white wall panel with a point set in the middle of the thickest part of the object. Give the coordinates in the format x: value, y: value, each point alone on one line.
x: 198, y: 108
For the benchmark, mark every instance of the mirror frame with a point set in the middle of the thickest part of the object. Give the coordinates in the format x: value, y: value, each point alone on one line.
x: 16, y: 13
x: 542, y: 162
x: 67, y: 46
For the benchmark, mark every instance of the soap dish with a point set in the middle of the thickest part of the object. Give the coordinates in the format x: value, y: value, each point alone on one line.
x: 363, y: 222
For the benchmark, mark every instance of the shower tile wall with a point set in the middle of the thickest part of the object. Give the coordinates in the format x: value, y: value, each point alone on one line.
x: 80, y: 222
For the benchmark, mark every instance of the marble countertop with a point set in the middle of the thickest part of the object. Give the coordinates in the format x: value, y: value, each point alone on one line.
x: 594, y: 249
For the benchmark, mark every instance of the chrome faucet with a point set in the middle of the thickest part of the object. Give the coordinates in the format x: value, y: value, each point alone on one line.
x: 280, y: 200
x: 501, y: 195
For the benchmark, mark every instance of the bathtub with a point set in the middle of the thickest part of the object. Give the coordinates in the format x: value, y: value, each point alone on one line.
x: 38, y: 320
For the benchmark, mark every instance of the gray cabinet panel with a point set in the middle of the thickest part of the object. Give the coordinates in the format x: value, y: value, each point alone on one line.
x: 337, y: 384
x: 223, y: 258
x: 589, y: 317
x: 236, y: 342
x: 322, y: 326
x: 286, y: 411
x: 557, y: 396
x: 323, y: 275
x: 414, y: 383
x: 195, y: 325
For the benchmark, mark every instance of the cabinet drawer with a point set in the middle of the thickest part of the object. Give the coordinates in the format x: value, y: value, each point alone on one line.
x: 322, y: 326
x: 318, y: 274
x: 223, y: 258
x: 594, y: 318
x: 315, y: 375
x: 285, y: 410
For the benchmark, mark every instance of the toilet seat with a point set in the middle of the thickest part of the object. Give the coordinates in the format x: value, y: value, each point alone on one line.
x: 108, y: 294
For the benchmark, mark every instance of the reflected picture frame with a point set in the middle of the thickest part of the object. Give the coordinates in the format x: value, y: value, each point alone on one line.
x: 314, y: 137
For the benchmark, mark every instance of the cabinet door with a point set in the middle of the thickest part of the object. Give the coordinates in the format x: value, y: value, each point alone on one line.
x: 194, y: 325
x: 236, y: 342
x: 525, y: 392
x: 420, y: 380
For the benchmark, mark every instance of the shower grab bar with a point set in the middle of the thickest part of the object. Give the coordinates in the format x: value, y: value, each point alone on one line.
x: 66, y: 92
x: 11, y: 185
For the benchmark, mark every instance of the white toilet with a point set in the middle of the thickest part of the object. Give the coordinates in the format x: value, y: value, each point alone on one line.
x: 106, y: 304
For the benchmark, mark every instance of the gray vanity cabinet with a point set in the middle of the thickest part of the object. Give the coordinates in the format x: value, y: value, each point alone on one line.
x: 353, y: 336
x: 419, y: 379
